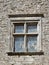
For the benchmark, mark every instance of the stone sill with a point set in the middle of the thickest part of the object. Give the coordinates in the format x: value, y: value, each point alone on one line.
x: 25, y: 53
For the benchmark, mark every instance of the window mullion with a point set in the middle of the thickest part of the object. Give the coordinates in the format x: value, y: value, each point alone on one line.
x: 25, y: 37
x: 25, y: 27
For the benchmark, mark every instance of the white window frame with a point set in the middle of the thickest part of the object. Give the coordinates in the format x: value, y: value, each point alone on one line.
x: 38, y: 19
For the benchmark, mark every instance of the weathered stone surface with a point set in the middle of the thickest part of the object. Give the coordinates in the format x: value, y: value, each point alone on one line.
x: 23, y: 7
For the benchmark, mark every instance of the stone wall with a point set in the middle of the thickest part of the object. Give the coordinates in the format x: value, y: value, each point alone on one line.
x: 23, y: 7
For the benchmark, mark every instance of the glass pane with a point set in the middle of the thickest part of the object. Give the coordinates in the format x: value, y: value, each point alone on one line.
x: 19, y: 44
x: 19, y: 28
x: 32, y: 42
x: 31, y: 28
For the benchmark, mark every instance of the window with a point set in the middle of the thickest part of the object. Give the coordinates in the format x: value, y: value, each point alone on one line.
x: 26, y: 36
x: 26, y: 33
x: 19, y: 43
x: 31, y: 27
x: 19, y: 28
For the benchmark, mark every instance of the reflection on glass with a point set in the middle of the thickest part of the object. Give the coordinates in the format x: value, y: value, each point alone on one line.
x: 19, y: 29
x: 32, y: 28
x: 19, y: 44
x: 32, y: 42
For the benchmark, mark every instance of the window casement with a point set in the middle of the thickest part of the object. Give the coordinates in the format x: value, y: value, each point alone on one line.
x: 26, y: 34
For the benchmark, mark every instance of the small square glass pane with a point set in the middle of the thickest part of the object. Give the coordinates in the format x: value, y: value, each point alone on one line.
x: 19, y: 44
x: 32, y: 43
x: 19, y: 28
x: 31, y: 28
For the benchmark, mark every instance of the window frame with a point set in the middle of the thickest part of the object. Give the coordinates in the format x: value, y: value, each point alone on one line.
x: 13, y: 21
x: 38, y: 21
x: 25, y: 34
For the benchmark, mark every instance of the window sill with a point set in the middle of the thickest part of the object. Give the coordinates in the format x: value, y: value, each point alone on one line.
x: 25, y: 53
